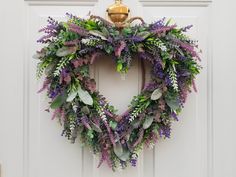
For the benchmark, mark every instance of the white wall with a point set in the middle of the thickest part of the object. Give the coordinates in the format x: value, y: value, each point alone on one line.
x: 224, y: 83
x: 220, y: 43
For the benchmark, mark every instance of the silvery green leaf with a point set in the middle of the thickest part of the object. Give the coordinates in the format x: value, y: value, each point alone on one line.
x: 49, y: 69
x: 172, y: 103
x: 125, y: 156
x: 118, y: 149
x: 127, y: 136
x: 105, y: 32
x: 71, y: 96
x: 85, y: 110
x: 98, y: 34
x: 85, y: 97
x: 96, y: 128
x: 135, y: 123
x: 156, y: 94
x: 38, y: 55
x: 148, y: 122
x: 144, y: 34
x: 179, y: 50
x: 64, y: 51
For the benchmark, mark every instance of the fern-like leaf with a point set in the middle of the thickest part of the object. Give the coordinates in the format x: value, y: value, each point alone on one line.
x: 62, y: 64
x: 173, y: 78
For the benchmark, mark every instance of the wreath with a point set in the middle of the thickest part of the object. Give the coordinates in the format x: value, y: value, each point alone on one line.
x: 72, y: 46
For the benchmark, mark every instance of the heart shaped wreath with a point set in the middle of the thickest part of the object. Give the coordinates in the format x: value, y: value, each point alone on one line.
x: 73, y: 46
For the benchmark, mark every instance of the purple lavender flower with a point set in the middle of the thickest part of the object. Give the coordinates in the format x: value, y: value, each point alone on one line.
x: 46, y: 38
x: 133, y: 162
x: 55, y: 113
x: 188, y: 47
x: 158, y: 24
x: 45, y: 85
x: 150, y: 86
x: 168, y: 81
x: 157, y: 70
x: 174, y: 115
x: 163, y: 29
x: 136, y: 39
x: 54, y: 93
x: 72, y: 43
x: 51, y: 30
x: 77, y: 29
x: 145, y: 56
x: 85, y: 121
x: 186, y: 28
x: 119, y: 48
x: 181, y: 57
x: 165, y: 131
x: 71, y: 16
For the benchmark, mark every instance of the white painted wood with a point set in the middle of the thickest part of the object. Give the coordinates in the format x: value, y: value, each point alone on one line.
x: 176, y: 2
x: 202, y: 142
x: 224, y: 84
x: 189, y: 132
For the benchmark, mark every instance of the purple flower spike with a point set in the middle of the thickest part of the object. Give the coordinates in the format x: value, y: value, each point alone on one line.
x: 174, y: 115
x: 165, y: 131
x: 186, y: 28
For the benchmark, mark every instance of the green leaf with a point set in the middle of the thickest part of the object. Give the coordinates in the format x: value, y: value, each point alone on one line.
x: 98, y: 34
x: 58, y: 101
x: 127, y: 31
x: 148, y: 122
x: 156, y: 94
x: 135, y: 123
x: 119, y: 67
x: 71, y: 96
x: 179, y: 50
x: 64, y: 51
x: 144, y: 34
x: 90, y: 134
x: 168, y: 22
x: 172, y: 103
x: 105, y: 31
x: 113, y: 125
x: 125, y: 156
x: 85, y: 110
x: 96, y: 128
x: 85, y: 97
x: 38, y: 55
x: 118, y: 149
x: 108, y: 48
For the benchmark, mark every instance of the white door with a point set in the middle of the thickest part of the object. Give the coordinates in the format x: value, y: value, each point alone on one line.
x: 42, y: 152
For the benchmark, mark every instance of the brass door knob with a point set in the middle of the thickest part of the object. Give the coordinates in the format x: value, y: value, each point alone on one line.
x: 118, y: 12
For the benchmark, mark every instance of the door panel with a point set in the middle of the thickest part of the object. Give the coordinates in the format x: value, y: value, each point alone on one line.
x: 185, y: 154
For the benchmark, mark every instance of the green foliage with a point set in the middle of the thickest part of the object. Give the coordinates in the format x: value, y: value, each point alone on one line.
x: 96, y: 128
x: 113, y: 124
x: 85, y: 97
x: 63, y: 63
x: 64, y: 51
x: 148, y: 122
x: 42, y: 66
x: 150, y: 42
x: 92, y: 42
x: 58, y: 101
x: 156, y: 94
x: 139, y: 104
x: 173, y: 78
x: 172, y: 101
